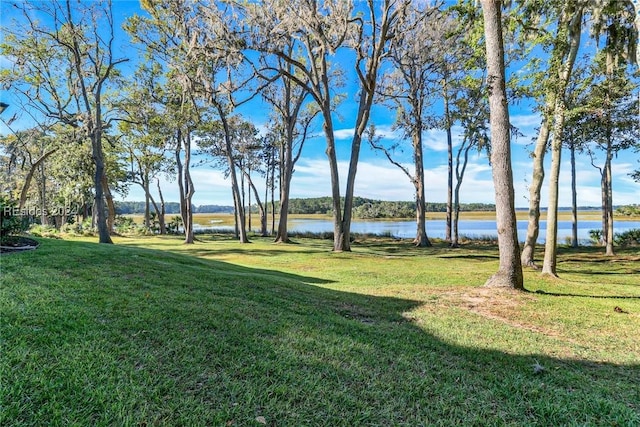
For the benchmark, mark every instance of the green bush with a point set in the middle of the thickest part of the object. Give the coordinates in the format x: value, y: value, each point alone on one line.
x: 40, y: 230
x: 10, y: 224
x: 595, y: 236
x: 628, y: 238
x: 73, y: 228
x: 173, y: 226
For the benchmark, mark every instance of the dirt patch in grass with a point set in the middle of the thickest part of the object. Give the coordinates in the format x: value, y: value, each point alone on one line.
x: 495, y: 304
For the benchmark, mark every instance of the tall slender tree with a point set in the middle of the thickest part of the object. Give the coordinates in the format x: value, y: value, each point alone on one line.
x: 509, y: 274
x: 293, y: 114
x: 415, y: 52
x: 322, y: 29
x: 564, y: 45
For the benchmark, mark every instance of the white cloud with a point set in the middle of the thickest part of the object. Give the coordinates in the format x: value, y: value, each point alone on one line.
x: 343, y: 133
x: 378, y: 179
x: 525, y: 121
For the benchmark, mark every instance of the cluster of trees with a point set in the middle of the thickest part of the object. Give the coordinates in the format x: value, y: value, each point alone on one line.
x: 100, y: 127
x: 370, y: 208
x: 128, y: 208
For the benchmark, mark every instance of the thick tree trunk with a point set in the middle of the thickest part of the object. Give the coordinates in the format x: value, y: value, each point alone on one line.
x: 509, y: 273
x: 282, y: 235
x: 101, y: 218
x: 286, y: 174
x: 111, y: 207
x: 349, y: 193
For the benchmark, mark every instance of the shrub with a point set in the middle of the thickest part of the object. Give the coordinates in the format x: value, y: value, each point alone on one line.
x: 10, y: 224
x: 73, y: 228
x: 595, y: 236
x: 628, y: 238
x: 40, y: 230
x: 173, y: 226
x: 124, y: 224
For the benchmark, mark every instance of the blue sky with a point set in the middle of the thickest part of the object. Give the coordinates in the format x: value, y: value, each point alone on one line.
x: 376, y: 177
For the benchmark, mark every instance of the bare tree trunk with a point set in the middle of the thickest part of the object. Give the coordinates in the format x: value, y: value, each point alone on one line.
x: 421, y: 239
x: 455, y: 238
x: 282, y: 235
x: 571, y: 20
x: 533, y: 225
x: 345, y: 243
x: 248, y: 176
x: 608, y: 215
x: 189, y: 191
x: 161, y: 214
x: 235, y: 188
x: 261, y: 206
x: 573, y: 16
x: 101, y: 219
x: 147, y: 204
x: 574, y: 199
x: 157, y: 210
x: 111, y: 207
x: 338, y: 233
x: 460, y: 169
x: 447, y: 116
x: 368, y: 79
x: 285, y: 185
x: 43, y: 196
x: 551, y: 244
x: 180, y: 172
x: 266, y: 195
x: 29, y: 177
x: 273, y: 201
x: 509, y: 273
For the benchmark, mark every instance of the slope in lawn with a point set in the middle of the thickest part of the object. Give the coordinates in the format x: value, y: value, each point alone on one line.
x: 107, y: 335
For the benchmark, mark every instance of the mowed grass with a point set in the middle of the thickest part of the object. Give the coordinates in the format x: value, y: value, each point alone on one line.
x: 153, y: 332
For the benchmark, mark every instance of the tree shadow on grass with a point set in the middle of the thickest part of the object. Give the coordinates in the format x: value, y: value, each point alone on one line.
x: 145, y: 337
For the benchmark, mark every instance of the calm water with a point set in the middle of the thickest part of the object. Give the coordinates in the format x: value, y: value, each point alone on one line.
x: 468, y: 228
x: 436, y: 228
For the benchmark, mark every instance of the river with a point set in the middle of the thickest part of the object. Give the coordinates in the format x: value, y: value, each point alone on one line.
x: 436, y: 228
x: 466, y: 228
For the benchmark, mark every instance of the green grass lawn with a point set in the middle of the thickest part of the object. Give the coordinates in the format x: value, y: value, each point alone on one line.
x: 152, y: 332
